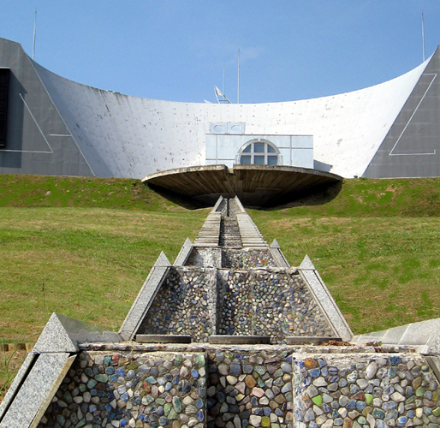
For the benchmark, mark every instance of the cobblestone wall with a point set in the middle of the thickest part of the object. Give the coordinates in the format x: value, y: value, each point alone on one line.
x: 185, y: 305
x: 365, y: 391
x: 205, y: 257
x: 241, y: 259
x: 271, y: 302
x: 237, y: 259
x: 249, y: 389
x: 234, y: 303
x: 241, y: 387
x: 284, y: 306
x: 133, y: 390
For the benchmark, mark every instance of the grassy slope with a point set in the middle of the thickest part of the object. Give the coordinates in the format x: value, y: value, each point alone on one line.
x: 92, y: 242
x: 376, y: 244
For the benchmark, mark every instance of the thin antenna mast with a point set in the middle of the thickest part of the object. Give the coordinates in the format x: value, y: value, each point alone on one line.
x: 35, y: 34
x: 238, y: 78
x: 423, y: 36
x: 223, y: 78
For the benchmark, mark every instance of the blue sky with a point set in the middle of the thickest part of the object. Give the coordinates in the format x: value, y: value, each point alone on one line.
x: 176, y: 49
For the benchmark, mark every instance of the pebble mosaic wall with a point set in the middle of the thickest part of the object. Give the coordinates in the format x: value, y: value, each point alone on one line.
x: 284, y: 306
x: 200, y: 302
x: 252, y: 389
x: 365, y: 391
x: 268, y: 302
x: 131, y: 390
x: 205, y: 257
x: 245, y: 259
x: 245, y: 387
x: 234, y: 303
x: 237, y: 259
x: 185, y: 305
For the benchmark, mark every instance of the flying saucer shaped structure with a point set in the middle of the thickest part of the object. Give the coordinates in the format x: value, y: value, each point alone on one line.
x: 53, y: 126
x: 255, y: 185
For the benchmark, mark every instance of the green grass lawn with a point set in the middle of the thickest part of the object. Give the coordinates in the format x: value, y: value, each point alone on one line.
x: 83, y: 247
x: 86, y: 263
x: 382, y: 271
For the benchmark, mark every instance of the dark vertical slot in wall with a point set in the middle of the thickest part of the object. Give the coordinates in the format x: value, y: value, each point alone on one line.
x: 4, y: 90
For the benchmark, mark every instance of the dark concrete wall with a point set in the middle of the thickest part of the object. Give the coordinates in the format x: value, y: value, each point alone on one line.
x: 38, y: 141
x: 412, y: 145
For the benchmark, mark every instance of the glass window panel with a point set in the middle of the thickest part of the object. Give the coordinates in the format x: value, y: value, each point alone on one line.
x: 259, y: 160
x: 247, y: 149
x: 270, y: 149
x: 272, y: 160
x: 245, y: 160
x: 258, y: 147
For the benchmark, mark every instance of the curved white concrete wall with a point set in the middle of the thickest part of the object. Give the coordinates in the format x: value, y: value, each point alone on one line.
x: 126, y: 136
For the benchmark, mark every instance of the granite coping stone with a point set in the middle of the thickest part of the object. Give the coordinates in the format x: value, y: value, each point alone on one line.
x: 278, y: 255
x: 18, y: 380
x: 143, y: 302
x: 184, y: 253
x: 327, y: 303
x: 43, y: 380
x: 217, y: 204
x: 307, y: 264
x: 145, y: 297
x: 61, y: 334
x: 207, y: 347
x: 424, y: 334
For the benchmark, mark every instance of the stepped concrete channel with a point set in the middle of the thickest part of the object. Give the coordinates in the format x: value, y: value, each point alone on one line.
x: 232, y: 336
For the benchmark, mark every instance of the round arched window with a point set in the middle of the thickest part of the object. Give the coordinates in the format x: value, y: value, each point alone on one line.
x: 259, y: 153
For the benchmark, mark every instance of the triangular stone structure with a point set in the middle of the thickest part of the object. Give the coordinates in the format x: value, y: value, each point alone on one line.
x: 325, y: 299
x: 145, y: 297
x: 184, y: 253
x: 201, y: 295
x: 55, y: 338
x: 278, y: 255
x: 307, y: 264
x: 37, y: 390
x: 45, y: 369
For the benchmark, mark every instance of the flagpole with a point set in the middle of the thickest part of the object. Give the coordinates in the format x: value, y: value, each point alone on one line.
x: 423, y: 36
x: 35, y: 34
x: 238, y: 78
x: 223, y: 78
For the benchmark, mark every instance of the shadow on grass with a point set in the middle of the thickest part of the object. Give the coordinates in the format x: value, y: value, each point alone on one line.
x: 318, y: 195
x: 183, y: 201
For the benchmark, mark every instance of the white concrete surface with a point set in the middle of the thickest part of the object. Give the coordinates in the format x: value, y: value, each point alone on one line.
x: 126, y: 136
